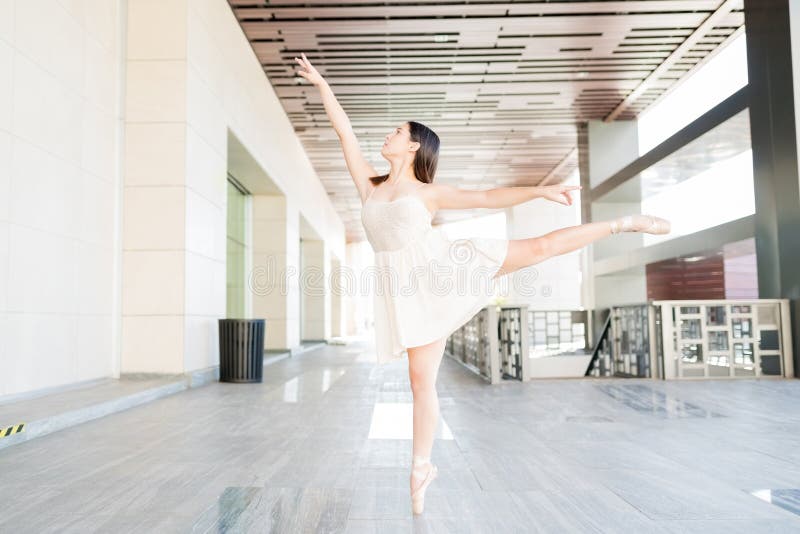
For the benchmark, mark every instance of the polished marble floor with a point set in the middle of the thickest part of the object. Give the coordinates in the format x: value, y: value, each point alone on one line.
x: 323, y: 445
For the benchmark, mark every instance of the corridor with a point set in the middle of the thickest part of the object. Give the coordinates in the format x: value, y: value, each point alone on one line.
x: 323, y: 445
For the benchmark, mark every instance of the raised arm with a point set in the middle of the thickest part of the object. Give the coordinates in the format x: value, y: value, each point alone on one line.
x: 449, y: 197
x: 360, y: 169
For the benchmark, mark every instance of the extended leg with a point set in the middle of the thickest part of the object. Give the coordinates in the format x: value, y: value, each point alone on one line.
x: 532, y: 250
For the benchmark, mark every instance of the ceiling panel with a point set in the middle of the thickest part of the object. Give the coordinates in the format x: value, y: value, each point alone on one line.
x: 504, y: 84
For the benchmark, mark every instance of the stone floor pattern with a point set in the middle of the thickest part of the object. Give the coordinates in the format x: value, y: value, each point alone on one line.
x: 324, y: 445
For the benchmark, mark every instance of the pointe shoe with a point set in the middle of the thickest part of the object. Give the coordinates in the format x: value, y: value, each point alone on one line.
x: 422, y: 469
x: 648, y: 224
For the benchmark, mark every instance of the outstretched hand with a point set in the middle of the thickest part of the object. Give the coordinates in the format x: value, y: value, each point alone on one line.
x: 559, y: 193
x: 308, y: 71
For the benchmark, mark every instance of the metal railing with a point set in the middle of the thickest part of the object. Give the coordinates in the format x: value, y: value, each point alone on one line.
x: 493, y: 344
x: 554, y: 332
x: 623, y: 347
x: 725, y: 338
x: 471, y: 344
x: 661, y: 339
x: 600, y: 364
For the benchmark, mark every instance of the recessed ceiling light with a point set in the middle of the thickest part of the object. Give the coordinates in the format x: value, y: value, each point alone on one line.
x: 441, y: 38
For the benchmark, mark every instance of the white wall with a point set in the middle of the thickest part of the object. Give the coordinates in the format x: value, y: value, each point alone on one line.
x: 193, y: 72
x: 58, y: 174
x: 160, y: 252
x: 98, y: 90
x: 619, y: 290
x: 227, y: 88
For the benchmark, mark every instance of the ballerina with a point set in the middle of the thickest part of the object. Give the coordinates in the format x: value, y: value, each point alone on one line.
x: 397, y: 208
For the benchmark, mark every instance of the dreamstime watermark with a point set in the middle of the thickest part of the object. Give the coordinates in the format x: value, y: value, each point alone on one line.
x: 462, y: 272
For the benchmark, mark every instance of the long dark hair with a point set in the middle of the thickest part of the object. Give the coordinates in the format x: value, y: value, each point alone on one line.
x: 426, y: 158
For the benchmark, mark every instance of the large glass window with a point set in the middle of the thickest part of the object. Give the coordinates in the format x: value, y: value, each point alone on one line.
x: 710, y: 178
x: 704, y: 184
x: 723, y: 74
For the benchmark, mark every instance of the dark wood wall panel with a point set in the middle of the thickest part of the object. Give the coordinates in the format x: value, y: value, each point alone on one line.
x: 679, y: 279
x: 719, y: 274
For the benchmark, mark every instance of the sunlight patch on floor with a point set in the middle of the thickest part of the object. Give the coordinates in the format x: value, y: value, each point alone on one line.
x: 394, y: 420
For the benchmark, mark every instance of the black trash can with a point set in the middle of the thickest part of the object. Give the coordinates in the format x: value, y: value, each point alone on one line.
x: 241, y: 350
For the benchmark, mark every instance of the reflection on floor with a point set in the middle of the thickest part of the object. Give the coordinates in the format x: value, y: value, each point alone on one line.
x: 323, y: 445
x: 785, y: 498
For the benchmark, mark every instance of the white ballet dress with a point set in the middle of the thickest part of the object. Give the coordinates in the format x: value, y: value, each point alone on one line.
x: 425, y: 285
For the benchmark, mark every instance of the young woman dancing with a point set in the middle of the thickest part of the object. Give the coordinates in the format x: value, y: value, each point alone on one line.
x: 397, y: 209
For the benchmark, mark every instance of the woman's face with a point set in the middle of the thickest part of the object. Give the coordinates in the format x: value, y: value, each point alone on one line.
x: 397, y: 141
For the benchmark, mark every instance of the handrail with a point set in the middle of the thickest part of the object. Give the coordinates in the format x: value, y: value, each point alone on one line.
x: 598, y: 344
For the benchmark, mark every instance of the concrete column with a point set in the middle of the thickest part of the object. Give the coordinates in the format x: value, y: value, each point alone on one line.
x: 154, y: 259
x: 773, y: 38
x: 587, y: 256
x: 605, y: 149
x: 612, y: 146
x: 583, y: 172
x: 337, y: 298
x: 174, y: 225
x: 314, y: 290
x: 274, y: 276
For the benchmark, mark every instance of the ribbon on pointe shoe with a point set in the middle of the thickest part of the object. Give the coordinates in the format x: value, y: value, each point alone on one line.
x: 657, y: 225
x: 623, y: 224
x: 635, y: 223
x: 419, y: 463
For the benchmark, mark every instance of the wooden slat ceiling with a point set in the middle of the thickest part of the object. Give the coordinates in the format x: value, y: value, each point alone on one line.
x: 504, y: 84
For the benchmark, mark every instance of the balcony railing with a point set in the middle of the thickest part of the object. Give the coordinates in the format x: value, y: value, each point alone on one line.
x: 623, y: 348
x: 473, y: 343
x: 685, y: 339
x: 493, y: 344
x: 661, y: 339
x: 554, y: 332
x: 725, y: 338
